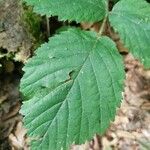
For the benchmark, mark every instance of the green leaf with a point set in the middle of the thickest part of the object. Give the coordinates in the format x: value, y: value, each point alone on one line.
x: 72, y: 88
x: 77, y: 10
x: 131, y: 18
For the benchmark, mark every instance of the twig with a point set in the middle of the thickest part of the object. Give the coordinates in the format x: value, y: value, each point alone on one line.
x: 48, y: 27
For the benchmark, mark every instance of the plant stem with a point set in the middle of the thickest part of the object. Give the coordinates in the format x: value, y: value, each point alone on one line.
x: 48, y: 27
x: 102, y: 26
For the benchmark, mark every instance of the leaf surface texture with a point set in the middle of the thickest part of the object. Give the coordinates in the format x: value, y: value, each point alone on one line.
x: 131, y: 18
x: 72, y: 88
x: 72, y: 10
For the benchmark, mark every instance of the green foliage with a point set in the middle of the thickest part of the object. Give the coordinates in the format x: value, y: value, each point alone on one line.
x: 73, y: 88
x: 74, y: 83
x: 78, y: 10
x: 131, y: 18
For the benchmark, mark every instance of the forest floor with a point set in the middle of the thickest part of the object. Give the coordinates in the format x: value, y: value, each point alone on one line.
x: 129, y: 131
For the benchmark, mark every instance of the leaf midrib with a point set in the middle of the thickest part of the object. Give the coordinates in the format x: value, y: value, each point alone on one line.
x: 97, y: 38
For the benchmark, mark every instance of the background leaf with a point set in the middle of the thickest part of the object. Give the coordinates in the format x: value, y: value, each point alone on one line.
x: 72, y: 88
x: 131, y: 18
x: 77, y: 10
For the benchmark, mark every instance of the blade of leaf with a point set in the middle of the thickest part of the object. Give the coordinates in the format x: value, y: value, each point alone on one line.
x: 131, y: 18
x: 76, y: 10
x: 72, y: 88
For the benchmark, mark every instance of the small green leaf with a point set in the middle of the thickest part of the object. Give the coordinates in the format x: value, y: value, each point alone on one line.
x: 77, y: 10
x: 72, y: 88
x: 131, y: 18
